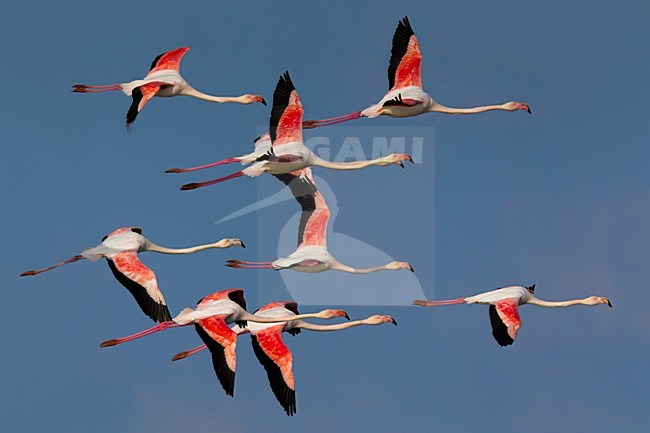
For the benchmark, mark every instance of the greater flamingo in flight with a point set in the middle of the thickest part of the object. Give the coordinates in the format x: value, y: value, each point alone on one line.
x: 312, y: 255
x: 211, y: 318
x: 504, y: 303
x: 163, y: 80
x: 274, y: 355
x: 406, y: 97
x: 282, y: 150
x: 120, y: 249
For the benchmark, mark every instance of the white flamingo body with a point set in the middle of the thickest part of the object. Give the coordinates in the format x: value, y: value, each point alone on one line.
x: 287, y: 158
x: 316, y: 258
x: 414, y: 93
x: 220, y: 307
x: 172, y: 82
x: 120, y: 242
x: 521, y: 294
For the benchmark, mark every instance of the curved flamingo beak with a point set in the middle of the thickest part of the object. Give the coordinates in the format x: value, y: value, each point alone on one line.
x: 393, y: 321
x: 260, y: 100
x: 342, y: 313
x: 525, y: 107
x: 608, y: 302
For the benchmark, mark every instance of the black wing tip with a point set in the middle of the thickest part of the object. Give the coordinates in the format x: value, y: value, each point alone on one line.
x: 133, y: 109
x: 502, y: 338
x: 401, y: 39
x: 405, y: 24
x: 156, y: 311
x: 281, y: 96
x: 155, y: 61
x: 290, y: 405
x: 285, y: 81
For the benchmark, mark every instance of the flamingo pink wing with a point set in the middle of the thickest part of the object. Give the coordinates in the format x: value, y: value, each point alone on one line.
x: 141, y: 95
x: 405, y: 67
x: 222, y: 342
x: 505, y: 321
x: 141, y: 282
x: 278, y: 362
x: 315, y: 213
x: 169, y: 60
x: 286, y: 115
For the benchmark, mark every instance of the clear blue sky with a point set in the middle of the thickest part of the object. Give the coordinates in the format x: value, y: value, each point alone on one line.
x: 559, y: 198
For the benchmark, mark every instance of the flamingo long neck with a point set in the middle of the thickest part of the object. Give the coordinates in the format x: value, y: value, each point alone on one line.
x: 327, y: 328
x: 556, y: 304
x: 354, y: 165
x: 164, y: 250
x: 345, y: 268
x: 190, y: 91
x: 426, y: 303
x: 437, y: 108
x: 245, y: 315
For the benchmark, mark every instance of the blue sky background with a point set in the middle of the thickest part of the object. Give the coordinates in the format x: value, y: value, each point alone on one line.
x: 559, y: 198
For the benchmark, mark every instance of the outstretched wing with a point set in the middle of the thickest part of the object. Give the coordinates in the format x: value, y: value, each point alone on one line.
x: 505, y: 321
x: 315, y: 213
x: 222, y: 342
x: 277, y: 360
x: 141, y: 282
x: 285, y: 125
x: 169, y: 60
x: 405, y: 67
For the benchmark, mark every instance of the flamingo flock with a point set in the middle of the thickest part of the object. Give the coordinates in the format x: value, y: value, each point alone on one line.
x: 222, y: 317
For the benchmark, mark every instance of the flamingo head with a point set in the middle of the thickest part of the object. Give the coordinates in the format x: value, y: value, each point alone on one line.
x: 229, y: 242
x: 378, y: 319
x: 514, y: 106
x: 250, y: 99
x: 597, y: 300
x: 330, y: 314
x: 395, y: 266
